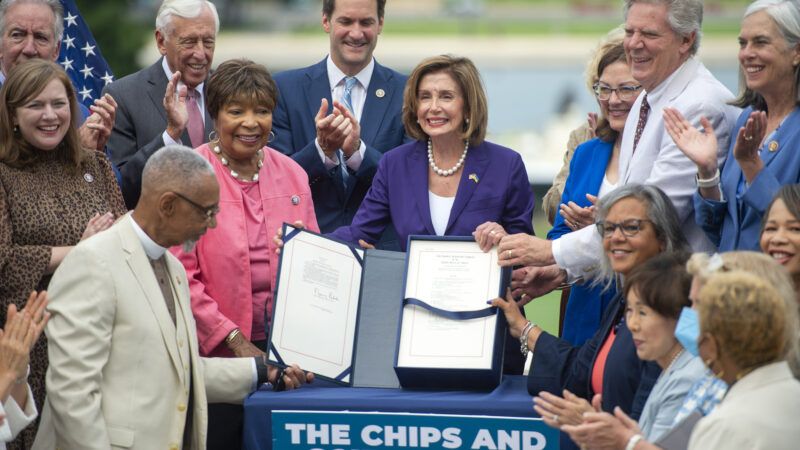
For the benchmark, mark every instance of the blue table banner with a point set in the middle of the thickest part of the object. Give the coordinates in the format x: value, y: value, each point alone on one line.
x: 325, y: 430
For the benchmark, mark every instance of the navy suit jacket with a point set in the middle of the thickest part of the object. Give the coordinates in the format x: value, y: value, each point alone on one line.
x: 735, y: 224
x: 586, y: 303
x: 301, y: 91
x: 493, y: 187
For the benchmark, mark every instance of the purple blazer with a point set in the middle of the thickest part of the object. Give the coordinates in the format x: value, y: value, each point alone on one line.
x: 493, y: 187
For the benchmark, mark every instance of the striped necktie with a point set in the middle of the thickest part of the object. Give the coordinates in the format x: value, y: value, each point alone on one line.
x: 347, y: 99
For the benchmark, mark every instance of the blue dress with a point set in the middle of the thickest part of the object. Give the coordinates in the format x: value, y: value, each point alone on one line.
x: 586, y: 303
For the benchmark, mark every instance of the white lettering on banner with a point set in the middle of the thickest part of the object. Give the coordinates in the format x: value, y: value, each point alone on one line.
x: 336, y: 434
x: 410, y: 437
x: 531, y: 440
x: 368, y: 431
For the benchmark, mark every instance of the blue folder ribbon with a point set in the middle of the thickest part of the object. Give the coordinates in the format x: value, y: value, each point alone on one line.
x: 454, y: 315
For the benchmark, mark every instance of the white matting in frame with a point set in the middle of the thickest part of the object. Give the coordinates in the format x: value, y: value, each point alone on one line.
x: 316, y: 305
x: 455, y: 276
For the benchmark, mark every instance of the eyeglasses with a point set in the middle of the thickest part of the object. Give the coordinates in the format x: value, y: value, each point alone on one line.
x: 209, y: 212
x: 629, y: 227
x: 625, y: 93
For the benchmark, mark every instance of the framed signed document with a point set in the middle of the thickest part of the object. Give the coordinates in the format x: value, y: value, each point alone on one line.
x: 448, y: 337
x: 316, y: 304
x: 336, y: 308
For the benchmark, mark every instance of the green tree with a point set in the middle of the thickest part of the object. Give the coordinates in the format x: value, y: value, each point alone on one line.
x: 119, y: 35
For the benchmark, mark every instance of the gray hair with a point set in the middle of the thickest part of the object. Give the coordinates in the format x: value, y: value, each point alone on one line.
x: 187, y: 9
x: 173, y: 167
x: 54, y: 5
x: 684, y: 17
x: 786, y: 15
x: 660, y: 211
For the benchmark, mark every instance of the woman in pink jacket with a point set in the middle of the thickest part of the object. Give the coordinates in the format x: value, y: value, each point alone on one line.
x: 232, y: 269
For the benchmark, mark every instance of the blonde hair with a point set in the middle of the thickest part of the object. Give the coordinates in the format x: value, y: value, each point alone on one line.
x: 747, y: 317
x: 703, y: 266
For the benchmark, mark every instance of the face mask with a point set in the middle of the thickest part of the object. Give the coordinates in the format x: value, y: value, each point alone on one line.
x: 687, y: 331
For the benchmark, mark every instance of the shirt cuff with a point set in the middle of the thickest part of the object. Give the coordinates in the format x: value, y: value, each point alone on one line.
x: 327, y: 162
x: 579, y: 253
x: 354, y: 162
x: 254, y: 386
x: 168, y: 139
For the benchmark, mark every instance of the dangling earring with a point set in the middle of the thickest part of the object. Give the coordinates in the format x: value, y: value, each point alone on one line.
x: 271, y: 136
x: 212, y: 136
x: 16, y: 128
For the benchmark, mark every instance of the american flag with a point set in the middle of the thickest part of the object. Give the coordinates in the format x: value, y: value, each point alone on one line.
x: 81, y: 58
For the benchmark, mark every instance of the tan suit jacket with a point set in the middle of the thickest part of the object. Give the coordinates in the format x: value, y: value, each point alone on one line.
x: 120, y: 370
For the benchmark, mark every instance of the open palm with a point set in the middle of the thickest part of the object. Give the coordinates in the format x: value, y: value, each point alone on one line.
x: 699, y: 147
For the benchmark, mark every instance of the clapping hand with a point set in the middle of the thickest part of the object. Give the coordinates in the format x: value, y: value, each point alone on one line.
x: 21, y: 331
x: 175, y: 107
x: 748, y: 141
x: 96, y: 130
x: 700, y: 148
x: 352, y: 142
x: 603, y: 431
x: 559, y: 411
x: 332, y: 129
x: 576, y: 216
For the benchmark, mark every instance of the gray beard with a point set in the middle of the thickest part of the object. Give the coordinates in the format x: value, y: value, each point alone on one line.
x: 188, y: 246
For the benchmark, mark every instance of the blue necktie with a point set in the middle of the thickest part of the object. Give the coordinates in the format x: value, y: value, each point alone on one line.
x: 347, y: 100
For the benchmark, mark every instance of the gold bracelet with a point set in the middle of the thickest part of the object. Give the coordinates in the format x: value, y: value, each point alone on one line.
x: 232, y: 335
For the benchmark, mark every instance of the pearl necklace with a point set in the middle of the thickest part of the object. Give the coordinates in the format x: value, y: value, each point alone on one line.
x: 234, y: 173
x: 452, y: 170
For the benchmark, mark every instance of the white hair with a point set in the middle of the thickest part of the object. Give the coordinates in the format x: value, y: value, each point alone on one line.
x: 187, y: 9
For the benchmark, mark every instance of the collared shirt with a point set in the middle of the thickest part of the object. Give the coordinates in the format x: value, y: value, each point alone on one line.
x: 358, y: 97
x: 703, y: 397
x: 151, y: 248
x: 200, y: 102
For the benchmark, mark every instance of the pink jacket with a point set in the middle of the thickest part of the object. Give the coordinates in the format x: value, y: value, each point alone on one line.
x: 219, y: 267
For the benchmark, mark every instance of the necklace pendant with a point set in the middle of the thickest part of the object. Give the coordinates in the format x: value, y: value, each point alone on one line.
x: 234, y: 174
x: 255, y: 177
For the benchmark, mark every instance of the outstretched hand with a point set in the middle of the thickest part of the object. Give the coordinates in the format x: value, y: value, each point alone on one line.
x: 278, y: 238
x: 700, y: 148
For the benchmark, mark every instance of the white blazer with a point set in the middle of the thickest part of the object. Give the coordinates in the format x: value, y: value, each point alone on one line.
x: 693, y: 91
x: 759, y: 412
x: 120, y: 370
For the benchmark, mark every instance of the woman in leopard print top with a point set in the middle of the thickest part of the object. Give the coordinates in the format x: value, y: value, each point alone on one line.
x: 53, y: 193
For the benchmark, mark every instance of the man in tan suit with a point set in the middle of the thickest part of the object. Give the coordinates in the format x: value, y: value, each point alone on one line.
x: 124, y: 365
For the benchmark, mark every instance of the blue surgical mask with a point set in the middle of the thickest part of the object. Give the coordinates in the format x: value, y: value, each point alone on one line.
x: 687, y: 331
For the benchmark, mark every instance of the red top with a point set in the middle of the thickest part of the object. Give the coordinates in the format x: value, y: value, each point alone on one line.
x: 599, y: 367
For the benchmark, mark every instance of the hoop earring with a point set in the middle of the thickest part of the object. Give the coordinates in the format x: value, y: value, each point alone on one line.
x: 271, y: 137
x: 212, y: 136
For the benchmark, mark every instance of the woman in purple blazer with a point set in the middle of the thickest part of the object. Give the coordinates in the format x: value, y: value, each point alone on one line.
x: 450, y: 181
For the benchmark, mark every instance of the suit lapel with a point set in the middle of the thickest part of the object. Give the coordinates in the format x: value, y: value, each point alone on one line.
x: 139, y: 266
x: 157, y: 86
x: 318, y: 87
x: 417, y: 170
x: 376, y: 104
x: 476, y: 163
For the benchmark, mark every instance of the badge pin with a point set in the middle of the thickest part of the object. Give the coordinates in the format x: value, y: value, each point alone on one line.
x: 380, y: 93
x: 295, y: 200
x: 88, y: 177
x: 474, y: 177
x: 773, y: 146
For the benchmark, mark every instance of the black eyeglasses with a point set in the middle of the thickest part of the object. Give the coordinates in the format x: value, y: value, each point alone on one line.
x: 629, y: 227
x: 625, y: 93
x: 208, y: 211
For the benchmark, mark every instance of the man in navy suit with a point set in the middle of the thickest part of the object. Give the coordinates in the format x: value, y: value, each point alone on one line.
x: 336, y: 118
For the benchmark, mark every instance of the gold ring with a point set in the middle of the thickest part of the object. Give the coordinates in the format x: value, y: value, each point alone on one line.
x: 555, y: 418
x: 510, y: 255
x: 492, y: 232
